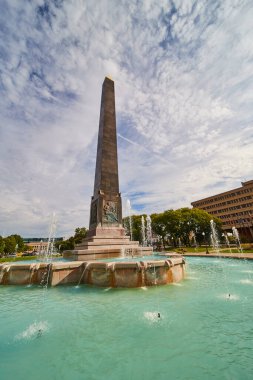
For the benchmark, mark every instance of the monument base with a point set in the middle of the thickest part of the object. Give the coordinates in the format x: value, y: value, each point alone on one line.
x: 106, y: 253
x: 107, y: 243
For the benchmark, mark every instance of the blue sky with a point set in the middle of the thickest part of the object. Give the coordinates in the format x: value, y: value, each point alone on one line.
x: 183, y: 73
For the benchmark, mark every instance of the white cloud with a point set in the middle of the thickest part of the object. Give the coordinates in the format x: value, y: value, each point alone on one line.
x: 183, y: 77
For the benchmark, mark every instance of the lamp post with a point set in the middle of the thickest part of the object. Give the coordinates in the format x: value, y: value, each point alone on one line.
x: 204, y: 237
x: 197, y: 229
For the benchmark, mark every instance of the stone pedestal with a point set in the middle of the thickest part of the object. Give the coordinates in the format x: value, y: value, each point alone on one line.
x: 107, y: 243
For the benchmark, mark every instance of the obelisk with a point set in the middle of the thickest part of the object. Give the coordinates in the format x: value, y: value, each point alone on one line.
x: 106, y: 208
x: 106, y: 237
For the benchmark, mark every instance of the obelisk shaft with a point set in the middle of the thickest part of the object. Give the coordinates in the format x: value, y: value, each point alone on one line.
x: 106, y: 177
x: 106, y: 209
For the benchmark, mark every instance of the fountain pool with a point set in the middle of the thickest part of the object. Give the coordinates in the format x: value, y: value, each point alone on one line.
x: 204, y: 332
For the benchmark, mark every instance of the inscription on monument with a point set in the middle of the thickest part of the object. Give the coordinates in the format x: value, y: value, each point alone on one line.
x: 110, y: 212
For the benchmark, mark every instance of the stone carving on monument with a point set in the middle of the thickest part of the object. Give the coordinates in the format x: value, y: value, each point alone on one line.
x: 110, y: 212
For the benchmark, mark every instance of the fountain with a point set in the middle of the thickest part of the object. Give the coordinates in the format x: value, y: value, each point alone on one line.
x: 227, y: 242
x: 143, y: 232
x: 214, y: 237
x: 131, y: 333
x: 237, y: 238
x: 129, y: 213
x: 119, y: 325
x: 51, y: 237
x: 149, y: 231
x: 106, y: 238
x: 216, y: 246
x: 33, y: 270
x: 194, y: 239
x: 4, y: 270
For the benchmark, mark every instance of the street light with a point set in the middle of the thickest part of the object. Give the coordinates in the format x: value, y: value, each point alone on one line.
x: 204, y: 237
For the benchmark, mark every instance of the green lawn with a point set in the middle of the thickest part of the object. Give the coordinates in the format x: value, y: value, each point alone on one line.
x: 13, y: 259
x: 235, y: 250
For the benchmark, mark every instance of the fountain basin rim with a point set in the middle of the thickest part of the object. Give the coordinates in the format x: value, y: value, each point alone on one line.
x: 96, y: 263
x: 115, y: 274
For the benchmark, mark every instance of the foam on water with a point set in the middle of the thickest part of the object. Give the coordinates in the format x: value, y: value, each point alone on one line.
x: 107, y: 289
x: 246, y: 281
x: 33, y: 331
x: 229, y: 297
x: 246, y: 271
x: 152, y: 316
x: 144, y: 288
x: 192, y: 278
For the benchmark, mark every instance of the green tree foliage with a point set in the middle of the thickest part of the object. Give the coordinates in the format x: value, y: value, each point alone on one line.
x: 9, y: 244
x: 159, y: 226
x: 80, y: 233
x: 19, y: 242
x: 136, y: 226
x: 195, y: 221
x: 1, y: 245
x: 69, y: 244
x: 172, y: 225
x: 65, y: 245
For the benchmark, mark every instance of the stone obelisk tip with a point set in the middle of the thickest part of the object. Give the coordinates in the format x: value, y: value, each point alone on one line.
x: 109, y: 77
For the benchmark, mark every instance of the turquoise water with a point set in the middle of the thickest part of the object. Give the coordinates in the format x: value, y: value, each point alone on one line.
x: 89, y: 333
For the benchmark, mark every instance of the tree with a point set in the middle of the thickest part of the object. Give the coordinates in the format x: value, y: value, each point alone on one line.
x: 158, y: 226
x: 1, y: 246
x: 9, y: 244
x: 188, y: 225
x: 19, y: 242
x: 136, y: 226
x: 80, y: 233
x: 69, y: 244
x: 172, y: 225
x: 65, y: 245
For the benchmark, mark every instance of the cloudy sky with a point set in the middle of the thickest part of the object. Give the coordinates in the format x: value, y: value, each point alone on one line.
x: 183, y: 73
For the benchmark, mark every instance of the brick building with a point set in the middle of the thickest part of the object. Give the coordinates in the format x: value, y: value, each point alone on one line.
x: 233, y: 207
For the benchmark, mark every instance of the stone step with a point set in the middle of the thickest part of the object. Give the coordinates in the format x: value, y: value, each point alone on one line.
x: 103, y: 242
x: 107, y: 246
x: 113, y: 237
